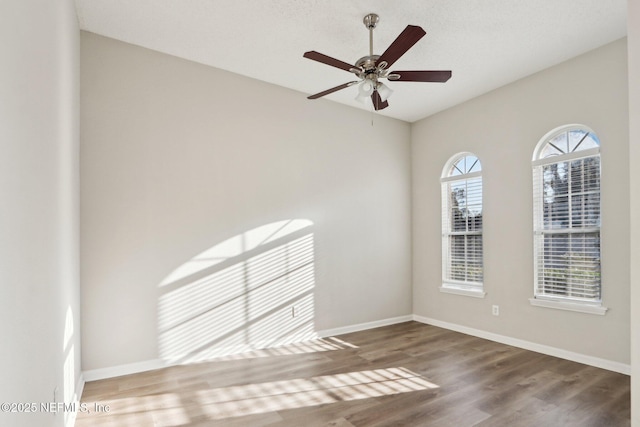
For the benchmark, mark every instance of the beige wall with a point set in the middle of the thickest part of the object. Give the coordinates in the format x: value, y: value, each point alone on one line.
x: 502, y: 128
x: 39, y: 218
x: 177, y: 158
x: 633, y: 25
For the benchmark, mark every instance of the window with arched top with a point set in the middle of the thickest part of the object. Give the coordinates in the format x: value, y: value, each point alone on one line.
x: 566, y: 201
x: 462, y: 265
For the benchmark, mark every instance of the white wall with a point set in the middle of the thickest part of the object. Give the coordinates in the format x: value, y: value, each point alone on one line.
x: 177, y: 158
x: 39, y: 218
x: 633, y: 28
x: 502, y: 128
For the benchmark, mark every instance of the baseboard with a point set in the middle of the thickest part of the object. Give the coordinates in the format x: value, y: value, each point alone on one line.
x: 364, y: 326
x: 117, y: 371
x: 80, y: 386
x: 609, y: 365
x: 150, y: 365
x: 71, y: 419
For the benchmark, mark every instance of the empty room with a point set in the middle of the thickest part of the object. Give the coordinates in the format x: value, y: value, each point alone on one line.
x: 304, y: 213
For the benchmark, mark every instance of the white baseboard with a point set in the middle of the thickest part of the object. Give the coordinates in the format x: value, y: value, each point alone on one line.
x: 527, y: 345
x: 77, y: 395
x: 130, y: 368
x: 80, y: 387
x: 364, y: 326
x: 149, y: 365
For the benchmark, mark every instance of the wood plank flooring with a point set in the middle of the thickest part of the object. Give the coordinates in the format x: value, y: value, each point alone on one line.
x: 408, y: 374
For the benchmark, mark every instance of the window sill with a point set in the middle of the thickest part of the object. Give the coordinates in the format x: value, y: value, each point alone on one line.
x: 466, y: 292
x: 570, y: 306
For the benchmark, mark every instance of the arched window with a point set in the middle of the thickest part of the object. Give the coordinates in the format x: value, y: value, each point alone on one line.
x: 462, y: 270
x: 566, y: 217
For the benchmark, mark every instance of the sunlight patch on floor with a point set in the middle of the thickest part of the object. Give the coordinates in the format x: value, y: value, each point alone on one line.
x: 175, y: 409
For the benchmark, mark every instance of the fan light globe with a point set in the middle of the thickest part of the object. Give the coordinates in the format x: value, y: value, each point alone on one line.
x: 365, y: 89
x: 384, y: 91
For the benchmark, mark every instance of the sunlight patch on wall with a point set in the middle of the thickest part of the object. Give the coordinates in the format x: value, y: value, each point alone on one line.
x: 252, y: 291
x: 69, y: 367
x: 236, y: 246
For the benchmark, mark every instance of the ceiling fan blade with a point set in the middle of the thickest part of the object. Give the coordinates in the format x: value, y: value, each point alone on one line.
x: 403, y: 43
x: 328, y: 91
x: 421, y: 76
x: 316, y: 56
x: 378, y: 103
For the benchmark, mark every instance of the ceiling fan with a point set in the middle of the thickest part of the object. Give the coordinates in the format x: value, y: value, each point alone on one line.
x: 372, y: 68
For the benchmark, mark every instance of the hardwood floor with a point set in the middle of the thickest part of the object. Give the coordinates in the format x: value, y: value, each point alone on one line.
x: 408, y: 374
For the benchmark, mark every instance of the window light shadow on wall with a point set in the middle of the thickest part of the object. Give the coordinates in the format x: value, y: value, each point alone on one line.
x: 252, y: 291
x: 69, y: 367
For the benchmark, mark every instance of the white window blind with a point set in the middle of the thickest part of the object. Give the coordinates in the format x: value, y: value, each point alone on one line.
x: 566, y: 196
x: 462, y: 264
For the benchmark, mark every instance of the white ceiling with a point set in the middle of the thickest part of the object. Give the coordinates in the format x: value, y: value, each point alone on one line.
x: 485, y: 43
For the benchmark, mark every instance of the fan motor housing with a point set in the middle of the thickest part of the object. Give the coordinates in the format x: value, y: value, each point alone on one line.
x: 367, y: 62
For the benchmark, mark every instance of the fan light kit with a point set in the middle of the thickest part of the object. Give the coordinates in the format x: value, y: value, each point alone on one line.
x: 372, y: 68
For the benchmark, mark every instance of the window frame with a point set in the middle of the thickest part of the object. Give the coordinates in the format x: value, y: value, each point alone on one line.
x: 540, y: 299
x: 450, y: 285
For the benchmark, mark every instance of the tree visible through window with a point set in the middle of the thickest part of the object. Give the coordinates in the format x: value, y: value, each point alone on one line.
x: 566, y: 176
x: 462, y: 223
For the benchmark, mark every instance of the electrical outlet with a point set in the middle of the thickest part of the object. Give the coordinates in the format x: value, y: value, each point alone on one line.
x: 495, y: 310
